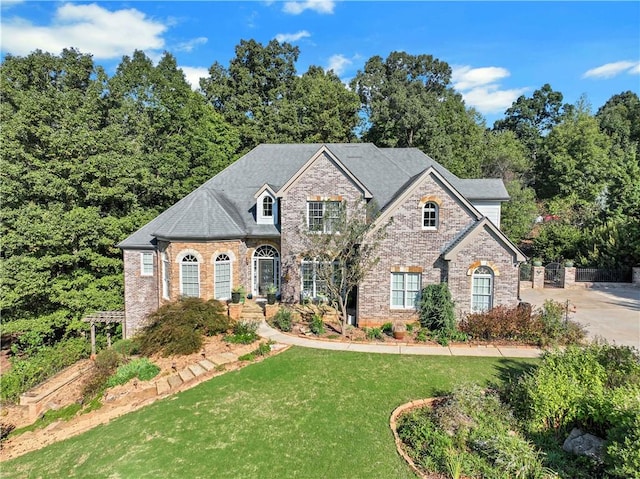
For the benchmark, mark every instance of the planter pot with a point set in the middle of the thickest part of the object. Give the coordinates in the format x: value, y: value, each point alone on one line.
x: 271, y: 298
x: 235, y: 297
x: 537, y: 263
x: 399, y: 334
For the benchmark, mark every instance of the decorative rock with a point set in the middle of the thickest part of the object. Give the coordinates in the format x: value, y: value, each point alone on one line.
x: 584, y: 444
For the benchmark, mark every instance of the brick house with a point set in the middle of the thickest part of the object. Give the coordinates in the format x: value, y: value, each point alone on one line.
x: 242, y: 227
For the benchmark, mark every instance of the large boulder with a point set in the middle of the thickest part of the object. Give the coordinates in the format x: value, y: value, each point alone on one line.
x: 584, y: 444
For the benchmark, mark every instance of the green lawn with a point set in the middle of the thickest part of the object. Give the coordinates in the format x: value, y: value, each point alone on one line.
x: 302, y: 414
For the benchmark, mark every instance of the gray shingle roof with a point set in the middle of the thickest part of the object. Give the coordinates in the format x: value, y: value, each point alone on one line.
x: 223, y: 207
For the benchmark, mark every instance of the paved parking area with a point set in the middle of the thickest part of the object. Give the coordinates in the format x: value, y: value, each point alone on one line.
x: 609, y: 312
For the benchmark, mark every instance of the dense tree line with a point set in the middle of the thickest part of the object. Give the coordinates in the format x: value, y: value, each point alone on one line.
x: 87, y: 158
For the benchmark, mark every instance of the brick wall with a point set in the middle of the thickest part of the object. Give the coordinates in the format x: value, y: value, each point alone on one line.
x: 407, y: 245
x: 140, y: 292
x: 322, y: 179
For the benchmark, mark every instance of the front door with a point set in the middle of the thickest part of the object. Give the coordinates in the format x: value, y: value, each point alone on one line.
x: 265, y: 275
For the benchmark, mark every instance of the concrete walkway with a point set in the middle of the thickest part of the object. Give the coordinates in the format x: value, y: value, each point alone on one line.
x: 268, y: 332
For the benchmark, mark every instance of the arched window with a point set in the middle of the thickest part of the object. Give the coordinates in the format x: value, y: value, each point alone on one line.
x: 482, y: 289
x: 267, y: 207
x: 190, y: 276
x: 430, y: 216
x: 222, y: 277
x: 266, y: 269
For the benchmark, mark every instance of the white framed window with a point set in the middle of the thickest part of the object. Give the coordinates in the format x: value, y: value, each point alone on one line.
x: 405, y: 290
x: 165, y: 276
x: 430, y: 216
x: 313, y: 284
x: 222, y: 277
x: 323, y: 216
x: 146, y: 264
x: 267, y: 207
x: 482, y: 289
x: 190, y: 276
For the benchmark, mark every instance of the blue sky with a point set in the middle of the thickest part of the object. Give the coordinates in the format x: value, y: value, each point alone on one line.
x: 498, y: 50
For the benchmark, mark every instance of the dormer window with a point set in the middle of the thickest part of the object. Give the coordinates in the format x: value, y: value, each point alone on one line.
x: 267, y: 207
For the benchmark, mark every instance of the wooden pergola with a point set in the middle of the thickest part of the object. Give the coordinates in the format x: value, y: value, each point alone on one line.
x: 105, y: 317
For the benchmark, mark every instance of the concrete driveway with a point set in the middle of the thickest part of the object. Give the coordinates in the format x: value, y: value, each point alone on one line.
x: 609, y: 312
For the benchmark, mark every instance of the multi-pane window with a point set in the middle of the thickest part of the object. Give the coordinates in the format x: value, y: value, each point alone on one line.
x: 324, y: 216
x: 146, y: 264
x: 165, y: 276
x: 405, y: 290
x: 482, y: 289
x: 314, y: 274
x: 430, y: 215
x: 190, y: 276
x: 222, y: 286
x: 267, y: 207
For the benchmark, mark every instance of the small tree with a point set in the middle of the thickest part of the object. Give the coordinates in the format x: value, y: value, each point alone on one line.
x: 345, y: 255
x: 437, y: 310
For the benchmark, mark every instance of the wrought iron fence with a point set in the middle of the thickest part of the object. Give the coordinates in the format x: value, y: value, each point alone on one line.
x: 596, y: 275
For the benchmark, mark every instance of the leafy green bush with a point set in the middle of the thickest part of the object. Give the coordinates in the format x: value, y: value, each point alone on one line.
x: 27, y: 373
x: 316, y: 325
x: 106, y: 363
x: 262, y: 350
x: 373, y: 334
x: 126, y: 347
x: 283, y: 320
x: 244, y: 332
x: 178, y: 328
x: 597, y: 388
x: 437, y: 310
x: 387, y: 328
x: 472, y: 432
x: 140, y: 368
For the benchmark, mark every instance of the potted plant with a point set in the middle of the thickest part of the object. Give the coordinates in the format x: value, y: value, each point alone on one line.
x: 569, y: 263
x: 399, y: 329
x: 271, y: 294
x: 237, y: 294
x: 537, y: 262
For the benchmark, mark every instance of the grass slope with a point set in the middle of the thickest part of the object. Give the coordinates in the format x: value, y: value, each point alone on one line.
x: 302, y: 414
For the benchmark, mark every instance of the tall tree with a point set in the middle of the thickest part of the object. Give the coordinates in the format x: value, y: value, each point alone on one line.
x: 408, y: 102
x: 531, y: 119
x: 254, y: 93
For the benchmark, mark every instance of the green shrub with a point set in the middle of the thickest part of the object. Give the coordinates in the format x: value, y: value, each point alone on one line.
x: 47, y: 361
x: 141, y: 368
x: 105, y: 365
x: 387, y: 328
x: 244, y: 332
x: 178, y: 328
x: 126, y: 347
x: 437, y: 309
x: 316, y: 325
x: 283, y: 320
x: 373, y: 334
x: 262, y: 350
x: 623, y: 438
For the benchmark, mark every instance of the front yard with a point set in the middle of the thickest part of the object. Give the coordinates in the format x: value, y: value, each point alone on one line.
x: 303, y: 413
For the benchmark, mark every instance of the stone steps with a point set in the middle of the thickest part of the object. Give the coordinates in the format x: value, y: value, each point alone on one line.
x: 193, y: 371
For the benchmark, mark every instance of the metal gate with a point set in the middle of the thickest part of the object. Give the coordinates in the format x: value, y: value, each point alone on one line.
x: 554, y: 275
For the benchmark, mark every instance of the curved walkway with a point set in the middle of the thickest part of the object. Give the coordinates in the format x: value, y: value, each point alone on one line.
x: 268, y: 332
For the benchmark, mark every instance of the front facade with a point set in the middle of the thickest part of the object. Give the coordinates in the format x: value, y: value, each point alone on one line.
x: 245, y: 227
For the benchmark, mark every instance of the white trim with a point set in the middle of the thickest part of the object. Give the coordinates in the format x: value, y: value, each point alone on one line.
x: 255, y: 281
x: 181, y: 254
x: 197, y: 264
x: 490, y: 277
x: 436, y: 208
x: 166, y: 279
x: 226, y: 262
x: 404, y: 290
x: 261, y: 219
x: 144, y: 272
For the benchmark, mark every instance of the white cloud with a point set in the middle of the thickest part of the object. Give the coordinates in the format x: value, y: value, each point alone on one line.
x: 609, y: 70
x: 191, y: 44
x: 338, y: 63
x: 318, y: 6
x: 90, y: 28
x: 481, y: 89
x: 490, y: 99
x: 292, y: 37
x: 635, y: 70
x: 9, y: 3
x: 466, y: 77
x: 193, y: 75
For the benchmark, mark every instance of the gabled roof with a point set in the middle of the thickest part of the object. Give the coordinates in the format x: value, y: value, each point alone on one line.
x: 224, y: 206
x: 470, y: 235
